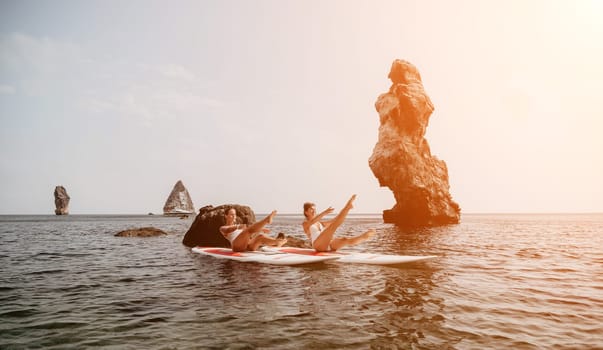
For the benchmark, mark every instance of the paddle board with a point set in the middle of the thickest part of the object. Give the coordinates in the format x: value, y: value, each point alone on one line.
x: 356, y: 258
x: 266, y: 257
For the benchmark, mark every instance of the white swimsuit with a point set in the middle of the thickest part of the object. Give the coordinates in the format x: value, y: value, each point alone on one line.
x: 315, y: 231
x: 233, y: 235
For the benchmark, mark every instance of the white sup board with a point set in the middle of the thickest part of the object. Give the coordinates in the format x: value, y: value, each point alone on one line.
x: 266, y: 256
x: 356, y: 258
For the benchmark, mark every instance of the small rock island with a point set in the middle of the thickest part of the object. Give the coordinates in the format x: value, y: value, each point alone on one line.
x: 61, y: 201
x: 402, y: 159
x: 141, y: 232
x: 179, y: 201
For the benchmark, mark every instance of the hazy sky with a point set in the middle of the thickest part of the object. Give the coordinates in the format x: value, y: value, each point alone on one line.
x: 271, y: 103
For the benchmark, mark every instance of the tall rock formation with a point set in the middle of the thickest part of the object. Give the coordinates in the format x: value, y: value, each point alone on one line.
x: 205, y: 229
x: 61, y: 201
x: 179, y: 201
x: 402, y: 160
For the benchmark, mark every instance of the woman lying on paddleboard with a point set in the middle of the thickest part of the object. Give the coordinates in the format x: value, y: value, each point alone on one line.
x: 321, y: 233
x: 243, y: 238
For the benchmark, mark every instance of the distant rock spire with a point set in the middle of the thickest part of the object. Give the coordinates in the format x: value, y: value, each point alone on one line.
x: 402, y: 160
x: 179, y: 201
x: 61, y: 201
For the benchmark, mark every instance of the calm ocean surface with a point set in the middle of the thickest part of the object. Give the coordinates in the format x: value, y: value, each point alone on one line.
x: 500, y: 282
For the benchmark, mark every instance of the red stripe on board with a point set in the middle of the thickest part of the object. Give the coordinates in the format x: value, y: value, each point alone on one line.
x: 222, y: 252
x: 304, y: 252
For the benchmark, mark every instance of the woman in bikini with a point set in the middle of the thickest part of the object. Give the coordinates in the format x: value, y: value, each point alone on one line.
x: 321, y: 233
x: 244, y: 238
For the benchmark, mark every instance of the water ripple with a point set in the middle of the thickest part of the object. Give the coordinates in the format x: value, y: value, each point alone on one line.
x: 501, y: 281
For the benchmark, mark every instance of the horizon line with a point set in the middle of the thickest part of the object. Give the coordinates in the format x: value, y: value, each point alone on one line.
x: 299, y: 214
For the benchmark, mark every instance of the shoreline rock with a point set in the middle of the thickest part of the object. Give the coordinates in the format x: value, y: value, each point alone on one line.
x: 402, y: 159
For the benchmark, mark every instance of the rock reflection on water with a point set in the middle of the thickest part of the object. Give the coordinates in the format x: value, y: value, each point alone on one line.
x: 410, y: 315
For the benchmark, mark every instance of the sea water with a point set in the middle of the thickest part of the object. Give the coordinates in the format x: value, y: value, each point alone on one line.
x: 500, y: 282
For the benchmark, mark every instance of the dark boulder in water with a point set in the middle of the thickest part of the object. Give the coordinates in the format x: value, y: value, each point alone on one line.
x: 205, y: 230
x: 61, y: 201
x: 402, y: 159
x: 141, y: 232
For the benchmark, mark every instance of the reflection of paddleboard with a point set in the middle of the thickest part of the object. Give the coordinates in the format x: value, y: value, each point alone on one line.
x: 266, y: 257
x: 357, y: 258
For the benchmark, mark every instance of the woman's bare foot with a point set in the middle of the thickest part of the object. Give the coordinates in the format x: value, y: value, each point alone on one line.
x: 350, y: 203
x: 363, y: 237
x: 271, y: 216
x: 368, y: 234
x: 281, y: 241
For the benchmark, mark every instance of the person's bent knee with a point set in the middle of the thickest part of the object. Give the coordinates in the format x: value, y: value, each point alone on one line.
x: 321, y: 247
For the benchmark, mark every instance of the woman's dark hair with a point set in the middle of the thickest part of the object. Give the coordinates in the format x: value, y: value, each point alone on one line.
x: 226, y: 210
x: 307, y: 206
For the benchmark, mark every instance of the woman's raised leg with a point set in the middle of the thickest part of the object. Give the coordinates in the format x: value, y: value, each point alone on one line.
x: 260, y: 240
x: 323, y: 241
x: 259, y: 225
x: 337, y: 243
x: 243, y: 241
